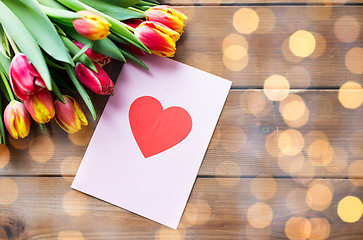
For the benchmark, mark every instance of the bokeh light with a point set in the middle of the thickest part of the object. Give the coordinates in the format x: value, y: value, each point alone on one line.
x: 228, y: 168
x: 302, y: 43
x: 347, y: 29
x: 298, y: 228
x: 4, y: 156
x: 263, y: 187
x: 245, y: 20
x: 268, y: 22
x: 350, y: 209
x: 22, y: 143
x: 295, y: 201
x: 286, y: 52
x: 320, y: 228
x: 276, y: 87
x: 319, y: 196
x: 41, y: 149
x: 9, y: 191
x: 234, y: 39
x: 291, y: 164
x: 69, y: 167
x: 82, y: 137
x: 298, y: 76
x: 339, y: 161
x: 259, y: 215
x: 75, y: 203
x: 355, y: 172
x: 354, y: 60
x: 351, y: 95
x: 271, y: 143
x: 255, y: 103
x: 320, y: 152
x: 291, y: 142
x: 294, y: 111
x: 166, y: 233
x: 320, y: 45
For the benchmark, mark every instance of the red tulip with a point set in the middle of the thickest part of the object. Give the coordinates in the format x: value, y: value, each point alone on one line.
x: 94, y: 56
x: 91, y: 25
x: 98, y: 82
x: 17, y: 120
x: 24, y: 78
x: 69, y: 115
x: 158, y: 38
x: 168, y: 16
x: 40, y: 106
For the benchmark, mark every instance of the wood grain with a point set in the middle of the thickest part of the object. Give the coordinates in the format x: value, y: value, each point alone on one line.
x: 218, y: 208
x: 208, y: 27
x: 260, y: 2
x: 245, y: 143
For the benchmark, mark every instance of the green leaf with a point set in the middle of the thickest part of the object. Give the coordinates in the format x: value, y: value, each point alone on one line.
x: 40, y: 27
x: 25, y: 42
x: 4, y: 64
x: 3, y: 87
x: 60, y: 15
x: 84, y: 59
x: 4, y: 43
x: 132, y: 57
x: 2, y: 129
x: 52, y: 4
x: 104, y: 46
x: 117, y: 12
x: 51, y: 63
x: 56, y: 91
x: 60, y: 81
x: 117, y: 3
x: 119, y: 28
x: 81, y: 90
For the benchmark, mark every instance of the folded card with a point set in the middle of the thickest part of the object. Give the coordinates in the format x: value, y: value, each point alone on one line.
x: 151, y: 139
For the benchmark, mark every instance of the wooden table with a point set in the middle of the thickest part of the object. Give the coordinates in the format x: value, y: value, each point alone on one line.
x: 286, y: 158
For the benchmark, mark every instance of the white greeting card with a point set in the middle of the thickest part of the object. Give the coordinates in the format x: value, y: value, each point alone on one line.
x: 151, y: 139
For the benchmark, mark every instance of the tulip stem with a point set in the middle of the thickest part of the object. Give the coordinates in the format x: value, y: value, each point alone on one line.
x: 136, y: 10
x: 12, y: 43
x: 7, y: 86
x: 83, y: 50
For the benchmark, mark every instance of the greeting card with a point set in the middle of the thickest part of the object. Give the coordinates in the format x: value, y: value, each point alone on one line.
x: 151, y: 139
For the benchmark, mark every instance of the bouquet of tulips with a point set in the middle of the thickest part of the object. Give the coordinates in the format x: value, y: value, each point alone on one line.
x: 41, y: 38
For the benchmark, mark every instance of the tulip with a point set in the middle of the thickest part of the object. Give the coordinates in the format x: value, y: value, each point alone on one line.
x: 24, y: 78
x: 158, y: 38
x: 17, y: 120
x: 91, y: 25
x: 69, y: 115
x: 94, y: 56
x: 98, y: 82
x: 40, y: 106
x: 168, y: 16
x: 134, y: 23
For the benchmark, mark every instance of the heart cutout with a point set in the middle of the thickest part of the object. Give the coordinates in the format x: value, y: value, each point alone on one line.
x: 155, y: 129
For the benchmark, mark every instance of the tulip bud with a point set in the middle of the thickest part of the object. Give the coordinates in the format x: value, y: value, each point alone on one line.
x: 158, y: 38
x: 94, y: 56
x: 169, y: 16
x: 17, y: 120
x: 24, y: 78
x: 40, y: 106
x: 69, y: 115
x: 92, y: 25
x: 98, y: 82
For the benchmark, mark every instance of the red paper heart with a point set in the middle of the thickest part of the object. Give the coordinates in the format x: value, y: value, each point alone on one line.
x: 156, y: 130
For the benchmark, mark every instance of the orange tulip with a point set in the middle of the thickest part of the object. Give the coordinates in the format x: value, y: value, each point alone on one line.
x: 168, y: 16
x: 17, y: 120
x: 92, y: 25
x: 40, y: 106
x: 158, y: 38
x: 69, y: 115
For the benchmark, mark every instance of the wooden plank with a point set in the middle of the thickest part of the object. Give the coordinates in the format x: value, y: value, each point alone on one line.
x: 258, y: 2
x: 212, y: 43
x: 308, y: 134
x: 263, y: 208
